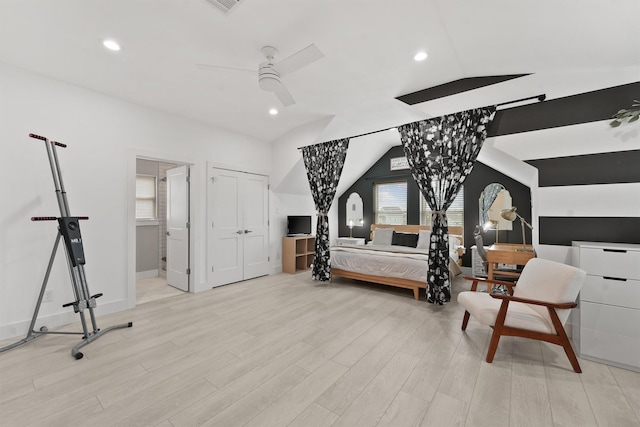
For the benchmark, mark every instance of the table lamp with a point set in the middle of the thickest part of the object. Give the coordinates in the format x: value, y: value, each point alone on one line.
x: 511, y: 215
x: 351, y: 224
x: 491, y: 224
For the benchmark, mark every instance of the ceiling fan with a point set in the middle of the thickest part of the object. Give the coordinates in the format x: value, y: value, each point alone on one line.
x: 270, y: 73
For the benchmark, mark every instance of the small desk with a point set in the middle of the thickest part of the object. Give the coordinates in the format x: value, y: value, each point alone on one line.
x: 508, y: 253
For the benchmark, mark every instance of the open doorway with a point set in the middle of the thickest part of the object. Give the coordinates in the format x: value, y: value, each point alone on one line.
x: 154, y: 200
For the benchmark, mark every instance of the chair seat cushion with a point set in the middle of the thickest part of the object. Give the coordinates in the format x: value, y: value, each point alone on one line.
x: 484, y: 309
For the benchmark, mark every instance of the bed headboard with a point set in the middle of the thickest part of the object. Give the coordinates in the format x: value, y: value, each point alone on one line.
x: 408, y: 228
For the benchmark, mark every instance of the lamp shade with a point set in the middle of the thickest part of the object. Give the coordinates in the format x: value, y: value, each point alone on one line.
x: 509, y: 214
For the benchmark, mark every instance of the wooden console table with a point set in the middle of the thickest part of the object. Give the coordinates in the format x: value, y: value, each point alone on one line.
x: 508, y: 253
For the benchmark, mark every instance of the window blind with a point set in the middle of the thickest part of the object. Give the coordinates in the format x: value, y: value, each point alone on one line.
x: 455, y: 213
x: 146, y: 197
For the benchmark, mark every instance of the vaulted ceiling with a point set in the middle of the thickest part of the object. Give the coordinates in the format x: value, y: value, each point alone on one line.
x: 368, y: 48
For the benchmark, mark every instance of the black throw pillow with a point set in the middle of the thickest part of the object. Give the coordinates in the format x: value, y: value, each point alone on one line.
x: 405, y: 239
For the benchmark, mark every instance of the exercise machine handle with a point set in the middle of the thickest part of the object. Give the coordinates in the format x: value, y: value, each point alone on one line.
x: 52, y: 218
x: 42, y: 138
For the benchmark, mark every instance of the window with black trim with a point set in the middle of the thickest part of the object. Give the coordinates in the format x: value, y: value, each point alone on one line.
x: 390, y: 202
x: 455, y: 213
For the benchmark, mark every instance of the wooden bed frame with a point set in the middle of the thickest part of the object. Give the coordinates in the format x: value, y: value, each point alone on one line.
x: 394, y: 281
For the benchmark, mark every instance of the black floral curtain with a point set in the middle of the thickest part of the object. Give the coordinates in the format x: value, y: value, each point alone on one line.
x: 441, y: 153
x: 324, y: 164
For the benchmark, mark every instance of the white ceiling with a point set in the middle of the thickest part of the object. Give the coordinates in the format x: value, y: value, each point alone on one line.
x: 368, y: 46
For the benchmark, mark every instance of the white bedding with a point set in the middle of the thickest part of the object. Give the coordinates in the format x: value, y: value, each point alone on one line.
x: 387, y: 261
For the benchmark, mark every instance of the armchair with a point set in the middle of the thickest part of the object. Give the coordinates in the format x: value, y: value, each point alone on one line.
x: 537, y: 307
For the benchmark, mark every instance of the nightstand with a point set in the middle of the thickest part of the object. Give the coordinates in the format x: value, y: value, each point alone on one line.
x: 340, y: 241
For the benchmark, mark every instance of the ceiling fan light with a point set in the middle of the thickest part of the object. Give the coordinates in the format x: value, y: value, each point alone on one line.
x: 268, y: 77
x: 269, y: 82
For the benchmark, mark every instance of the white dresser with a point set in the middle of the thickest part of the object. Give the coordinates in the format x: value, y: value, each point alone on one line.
x: 608, y: 321
x: 349, y: 241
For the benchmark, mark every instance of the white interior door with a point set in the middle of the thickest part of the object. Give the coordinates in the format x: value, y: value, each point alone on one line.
x: 178, y: 227
x: 226, y: 232
x: 238, y: 215
x: 256, y: 226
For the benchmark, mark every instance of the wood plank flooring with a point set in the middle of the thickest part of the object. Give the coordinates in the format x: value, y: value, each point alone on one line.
x: 283, y: 350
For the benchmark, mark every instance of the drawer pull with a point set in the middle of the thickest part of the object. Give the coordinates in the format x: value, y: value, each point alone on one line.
x: 614, y: 278
x: 620, y: 251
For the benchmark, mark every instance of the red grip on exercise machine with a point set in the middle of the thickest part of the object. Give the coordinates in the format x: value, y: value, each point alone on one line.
x: 59, y: 144
x: 33, y: 135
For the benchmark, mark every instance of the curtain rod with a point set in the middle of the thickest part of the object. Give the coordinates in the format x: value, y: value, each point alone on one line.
x: 540, y: 98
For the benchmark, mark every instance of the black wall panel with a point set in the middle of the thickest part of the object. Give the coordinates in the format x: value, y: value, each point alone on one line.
x: 564, y: 230
x: 603, y: 168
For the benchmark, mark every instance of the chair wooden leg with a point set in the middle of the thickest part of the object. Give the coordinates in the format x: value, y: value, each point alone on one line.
x: 497, y: 330
x: 564, y: 341
x: 465, y: 320
x: 493, y: 345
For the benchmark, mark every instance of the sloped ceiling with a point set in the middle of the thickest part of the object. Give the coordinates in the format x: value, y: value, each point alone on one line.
x: 368, y: 47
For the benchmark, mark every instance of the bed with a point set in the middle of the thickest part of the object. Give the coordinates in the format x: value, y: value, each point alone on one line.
x: 397, y: 255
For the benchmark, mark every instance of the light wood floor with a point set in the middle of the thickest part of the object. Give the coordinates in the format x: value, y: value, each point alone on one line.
x: 286, y: 351
x: 154, y: 288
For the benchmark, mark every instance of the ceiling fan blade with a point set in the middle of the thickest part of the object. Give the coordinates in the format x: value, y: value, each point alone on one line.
x: 299, y: 59
x: 207, y: 67
x: 284, y: 96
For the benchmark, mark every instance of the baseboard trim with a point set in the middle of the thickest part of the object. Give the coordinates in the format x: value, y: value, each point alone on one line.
x: 146, y: 274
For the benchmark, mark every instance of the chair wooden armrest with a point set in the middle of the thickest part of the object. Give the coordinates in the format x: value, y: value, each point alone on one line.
x: 559, y: 306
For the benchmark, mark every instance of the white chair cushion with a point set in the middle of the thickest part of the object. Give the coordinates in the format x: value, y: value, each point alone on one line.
x: 484, y: 309
x: 549, y: 281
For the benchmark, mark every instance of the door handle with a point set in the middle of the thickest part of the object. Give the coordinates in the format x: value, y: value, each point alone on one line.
x: 239, y: 232
x: 167, y: 233
x: 247, y: 231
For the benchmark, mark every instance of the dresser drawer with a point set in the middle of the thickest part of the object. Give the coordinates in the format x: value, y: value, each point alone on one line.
x: 610, y: 348
x: 623, y: 293
x: 619, y: 263
x: 619, y: 321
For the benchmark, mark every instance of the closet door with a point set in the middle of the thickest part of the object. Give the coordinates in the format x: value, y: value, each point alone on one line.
x: 238, y: 226
x: 256, y: 226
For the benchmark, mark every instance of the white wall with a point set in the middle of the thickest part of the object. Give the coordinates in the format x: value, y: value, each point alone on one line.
x: 104, y: 135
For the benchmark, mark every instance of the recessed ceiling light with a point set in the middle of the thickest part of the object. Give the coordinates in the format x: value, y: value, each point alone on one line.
x: 111, y: 45
x: 420, y: 56
x: 273, y: 111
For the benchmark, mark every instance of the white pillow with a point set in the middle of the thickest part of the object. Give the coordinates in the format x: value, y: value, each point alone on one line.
x: 382, y: 236
x: 424, y: 239
x: 454, y: 242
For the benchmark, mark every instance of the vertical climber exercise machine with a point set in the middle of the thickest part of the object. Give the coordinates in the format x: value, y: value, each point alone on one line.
x: 69, y: 230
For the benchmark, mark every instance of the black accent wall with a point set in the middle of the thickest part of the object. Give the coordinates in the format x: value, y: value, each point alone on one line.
x: 480, y: 177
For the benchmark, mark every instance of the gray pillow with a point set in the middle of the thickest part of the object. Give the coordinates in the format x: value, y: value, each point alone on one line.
x: 382, y: 236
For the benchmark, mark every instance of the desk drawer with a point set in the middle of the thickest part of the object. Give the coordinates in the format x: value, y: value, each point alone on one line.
x: 611, y: 263
x: 623, y: 293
